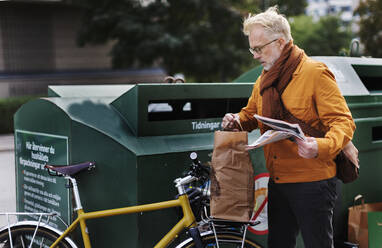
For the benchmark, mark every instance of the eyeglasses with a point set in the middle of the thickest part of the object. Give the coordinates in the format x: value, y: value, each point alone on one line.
x: 259, y: 49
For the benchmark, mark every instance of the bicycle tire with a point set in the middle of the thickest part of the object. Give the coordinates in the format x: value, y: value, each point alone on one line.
x: 226, y: 239
x: 22, y: 235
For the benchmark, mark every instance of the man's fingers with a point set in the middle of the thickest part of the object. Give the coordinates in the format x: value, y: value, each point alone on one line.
x: 308, y: 148
x: 229, y: 121
x: 298, y: 141
x: 226, y: 121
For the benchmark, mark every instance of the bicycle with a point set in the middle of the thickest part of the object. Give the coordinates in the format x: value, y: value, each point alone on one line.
x: 201, y: 232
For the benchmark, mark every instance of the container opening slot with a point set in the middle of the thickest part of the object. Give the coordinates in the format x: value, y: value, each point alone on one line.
x: 371, y: 76
x: 376, y: 133
x: 164, y: 110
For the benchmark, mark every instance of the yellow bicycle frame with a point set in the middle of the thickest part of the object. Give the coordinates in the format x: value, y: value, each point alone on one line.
x: 188, y: 219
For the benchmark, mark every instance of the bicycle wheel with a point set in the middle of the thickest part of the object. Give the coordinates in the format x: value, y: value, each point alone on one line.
x: 22, y: 237
x: 226, y: 239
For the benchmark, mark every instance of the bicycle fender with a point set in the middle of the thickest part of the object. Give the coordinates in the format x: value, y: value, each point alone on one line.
x: 35, y: 223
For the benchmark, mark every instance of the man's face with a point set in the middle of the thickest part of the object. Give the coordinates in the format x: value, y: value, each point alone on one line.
x: 269, y: 53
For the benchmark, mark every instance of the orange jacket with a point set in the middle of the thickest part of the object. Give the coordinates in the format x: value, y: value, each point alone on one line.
x: 313, y: 97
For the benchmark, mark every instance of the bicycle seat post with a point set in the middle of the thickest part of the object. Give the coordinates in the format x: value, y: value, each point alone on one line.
x: 77, y: 200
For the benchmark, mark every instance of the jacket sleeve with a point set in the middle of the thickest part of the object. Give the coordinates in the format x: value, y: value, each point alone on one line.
x: 246, y: 115
x: 334, y: 114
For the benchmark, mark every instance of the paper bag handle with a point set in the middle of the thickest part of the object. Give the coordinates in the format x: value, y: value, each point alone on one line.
x: 357, y: 198
x: 238, y: 122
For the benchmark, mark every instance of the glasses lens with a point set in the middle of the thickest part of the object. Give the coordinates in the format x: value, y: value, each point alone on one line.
x: 258, y: 50
x: 255, y: 50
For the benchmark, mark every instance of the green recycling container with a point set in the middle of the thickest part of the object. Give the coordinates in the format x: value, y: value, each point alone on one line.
x: 140, y: 137
x: 360, y: 81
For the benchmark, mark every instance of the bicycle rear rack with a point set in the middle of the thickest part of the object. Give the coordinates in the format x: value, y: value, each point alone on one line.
x: 228, y: 224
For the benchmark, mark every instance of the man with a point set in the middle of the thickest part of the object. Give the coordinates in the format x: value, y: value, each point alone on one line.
x: 302, y: 185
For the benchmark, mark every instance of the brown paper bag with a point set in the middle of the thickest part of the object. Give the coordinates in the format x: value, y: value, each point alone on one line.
x: 358, y: 222
x: 232, y: 192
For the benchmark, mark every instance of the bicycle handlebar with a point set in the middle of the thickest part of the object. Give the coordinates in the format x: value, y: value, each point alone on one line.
x: 184, y: 180
x: 197, y: 168
x: 197, y: 172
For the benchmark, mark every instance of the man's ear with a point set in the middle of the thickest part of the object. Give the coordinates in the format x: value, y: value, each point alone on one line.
x: 282, y: 42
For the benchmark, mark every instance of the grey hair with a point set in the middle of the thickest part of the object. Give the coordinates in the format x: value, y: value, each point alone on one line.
x: 274, y: 23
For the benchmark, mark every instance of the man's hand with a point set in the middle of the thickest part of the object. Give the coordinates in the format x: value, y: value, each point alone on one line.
x: 308, y: 148
x: 230, y: 122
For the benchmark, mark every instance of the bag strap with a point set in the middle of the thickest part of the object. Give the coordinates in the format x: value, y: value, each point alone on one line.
x: 350, y: 151
x: 305, y: 127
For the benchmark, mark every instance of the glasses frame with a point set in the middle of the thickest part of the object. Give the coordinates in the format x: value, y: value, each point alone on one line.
x: 258, y: 49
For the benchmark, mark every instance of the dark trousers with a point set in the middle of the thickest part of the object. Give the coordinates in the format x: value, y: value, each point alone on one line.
x: 306, y: 207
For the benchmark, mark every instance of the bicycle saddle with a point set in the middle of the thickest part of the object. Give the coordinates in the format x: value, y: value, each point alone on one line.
x: 70, y: 170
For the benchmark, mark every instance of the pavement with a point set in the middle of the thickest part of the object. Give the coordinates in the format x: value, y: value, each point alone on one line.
x: 7, y: 176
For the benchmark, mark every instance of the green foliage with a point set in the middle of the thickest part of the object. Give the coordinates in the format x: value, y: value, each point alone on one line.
x: 246, y: 6
x: 199, y: 38
x: 370, y: 13
x: 8, y: 108
x: 287, y: 7
x: 323, y: 38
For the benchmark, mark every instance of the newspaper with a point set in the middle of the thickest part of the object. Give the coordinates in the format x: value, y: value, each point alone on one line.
x: 281, y: 130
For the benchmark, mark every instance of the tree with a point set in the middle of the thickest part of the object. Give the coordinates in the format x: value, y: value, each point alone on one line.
x: 323, y: 38
x: 286, y: 7
x: 202, y: 39
x: 370, y: 13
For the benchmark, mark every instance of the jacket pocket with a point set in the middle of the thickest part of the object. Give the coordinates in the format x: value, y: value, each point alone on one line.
x: 301, y: 107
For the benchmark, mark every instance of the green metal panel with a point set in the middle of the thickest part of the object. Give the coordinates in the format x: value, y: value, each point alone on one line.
x: 365, y: 106
x: 208, y: 101
x: 128, y: 108
x: 116, y: 166
x: 131, y: 168
x: 113, y: 184
x: 374, y: 220
x: 250, y: 76
x: 39, y: 192
x: 369, y: 144
x: 155, y: 182
x: 38, y: 141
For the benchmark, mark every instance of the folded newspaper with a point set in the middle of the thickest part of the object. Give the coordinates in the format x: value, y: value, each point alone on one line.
x: 281, y: 130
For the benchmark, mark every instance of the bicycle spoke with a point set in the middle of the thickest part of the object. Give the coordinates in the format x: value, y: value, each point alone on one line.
x: 26, y: 236
x: 22, y: 242
x: 42, y: 242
